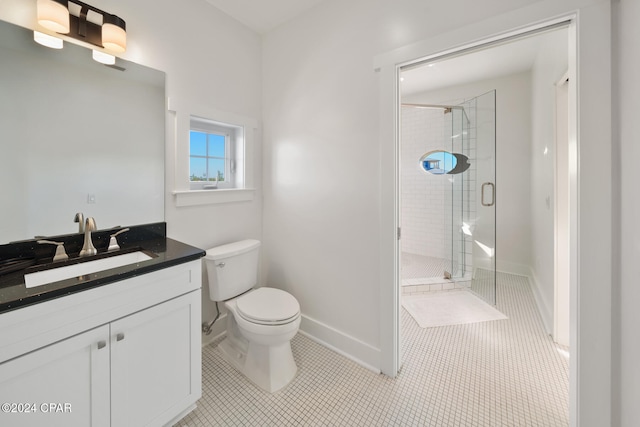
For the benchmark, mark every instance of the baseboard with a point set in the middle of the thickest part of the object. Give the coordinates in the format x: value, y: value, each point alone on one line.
x: 513, y: 268
x: 181, y: 415
x: 346, y: 345
x: 503, y: 267
x: 546, y: 312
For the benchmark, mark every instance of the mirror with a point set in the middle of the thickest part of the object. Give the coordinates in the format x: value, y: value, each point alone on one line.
x: 76, y: 136
x: 440, y: 162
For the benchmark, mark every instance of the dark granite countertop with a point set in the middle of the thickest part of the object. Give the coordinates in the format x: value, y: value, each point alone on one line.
x: 148, y: 238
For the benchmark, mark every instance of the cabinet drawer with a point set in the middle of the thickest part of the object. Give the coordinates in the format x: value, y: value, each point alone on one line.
x: 27, y: 329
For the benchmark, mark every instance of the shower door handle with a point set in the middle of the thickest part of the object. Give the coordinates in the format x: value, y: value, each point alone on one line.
x: 493, y: 194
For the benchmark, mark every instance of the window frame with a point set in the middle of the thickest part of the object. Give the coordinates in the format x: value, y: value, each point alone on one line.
x: 246, y: 138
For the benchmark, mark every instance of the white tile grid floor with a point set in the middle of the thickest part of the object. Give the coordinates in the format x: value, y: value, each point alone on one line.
x: 419, y: 266
x: 498, y: 373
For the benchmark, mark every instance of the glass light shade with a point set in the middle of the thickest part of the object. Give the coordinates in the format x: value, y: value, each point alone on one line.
x: 53, y: 16
x: 103, y: 58
x: 114, y: 38
x: 47, y: 40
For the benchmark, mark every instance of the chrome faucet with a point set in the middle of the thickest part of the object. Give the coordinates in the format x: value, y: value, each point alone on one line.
x: 79, y: 218
x: 88, y: 249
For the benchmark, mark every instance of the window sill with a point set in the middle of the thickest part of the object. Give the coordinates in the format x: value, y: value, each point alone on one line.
x: 212, y: 197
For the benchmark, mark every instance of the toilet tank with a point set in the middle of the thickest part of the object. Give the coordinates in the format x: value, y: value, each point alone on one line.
x: 232, y: 269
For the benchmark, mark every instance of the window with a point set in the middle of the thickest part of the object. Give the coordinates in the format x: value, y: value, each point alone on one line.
x: 213, y: 153
x: 214, y: 163
x: 207, y: 161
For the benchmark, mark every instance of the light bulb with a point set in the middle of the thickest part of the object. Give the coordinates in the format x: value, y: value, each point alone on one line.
x: 47, y: 40
x: 114, y: 36
x: 53, y: 15
x: 103, y: 58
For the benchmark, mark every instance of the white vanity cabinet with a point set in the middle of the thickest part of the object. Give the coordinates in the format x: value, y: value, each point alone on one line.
x: 152, y: 372
x: 73, y: 373
x: 123, y: 354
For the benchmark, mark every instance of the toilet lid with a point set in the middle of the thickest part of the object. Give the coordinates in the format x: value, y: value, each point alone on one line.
x: 268, y: 306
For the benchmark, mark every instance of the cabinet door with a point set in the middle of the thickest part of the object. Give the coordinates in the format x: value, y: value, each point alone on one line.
x: 155, y: 363
x: 63, y: 384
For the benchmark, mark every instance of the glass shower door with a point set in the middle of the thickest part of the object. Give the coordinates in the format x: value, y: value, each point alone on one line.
x: 482, y: 210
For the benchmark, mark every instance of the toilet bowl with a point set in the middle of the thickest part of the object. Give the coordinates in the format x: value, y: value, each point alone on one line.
x: 260, y: 322
x: 261, y: 350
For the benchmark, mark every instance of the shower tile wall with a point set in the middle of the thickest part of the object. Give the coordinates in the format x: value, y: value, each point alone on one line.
x: 423, y: 195
x: 427, y: 200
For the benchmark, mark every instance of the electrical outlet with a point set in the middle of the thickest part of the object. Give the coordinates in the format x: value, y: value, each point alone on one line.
x: 91, y: 199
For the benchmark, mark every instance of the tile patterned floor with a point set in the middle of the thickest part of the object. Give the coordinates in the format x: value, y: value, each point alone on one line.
x: 418, y: 266
x: 500, y: 373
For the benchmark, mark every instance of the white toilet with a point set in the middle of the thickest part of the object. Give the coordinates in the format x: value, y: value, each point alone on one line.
x: 261, y: 322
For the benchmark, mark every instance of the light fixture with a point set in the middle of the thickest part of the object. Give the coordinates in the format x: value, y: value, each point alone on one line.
x: 47, y: 40
x: 114, y: 36
x: 103, y: 58
x: 56, y: 16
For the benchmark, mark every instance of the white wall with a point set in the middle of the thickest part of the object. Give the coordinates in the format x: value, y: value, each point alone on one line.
x: 513, y: 173
x: 549, y: 67
x: 627, y: 292
x: 211, y: 60
x: 321, y: 176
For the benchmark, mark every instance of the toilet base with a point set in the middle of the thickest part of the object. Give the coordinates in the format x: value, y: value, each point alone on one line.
x: 268, y: 367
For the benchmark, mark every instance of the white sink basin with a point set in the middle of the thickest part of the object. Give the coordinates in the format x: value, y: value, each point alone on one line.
x: 40, y: 278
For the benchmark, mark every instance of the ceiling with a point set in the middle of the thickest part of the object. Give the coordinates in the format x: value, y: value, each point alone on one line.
x: 263, y: 15
x: 501, y: 60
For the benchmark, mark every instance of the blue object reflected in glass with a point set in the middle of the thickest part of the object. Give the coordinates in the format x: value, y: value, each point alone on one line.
x: 440, y: 162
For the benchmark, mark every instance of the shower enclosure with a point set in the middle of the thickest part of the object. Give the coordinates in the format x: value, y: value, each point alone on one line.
x: 448, y: 196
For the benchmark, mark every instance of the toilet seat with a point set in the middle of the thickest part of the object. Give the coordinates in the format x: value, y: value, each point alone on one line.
x: 268, y: 306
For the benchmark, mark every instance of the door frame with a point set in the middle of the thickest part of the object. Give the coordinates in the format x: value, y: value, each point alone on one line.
x: 591, y: 219
x: 561, y: 212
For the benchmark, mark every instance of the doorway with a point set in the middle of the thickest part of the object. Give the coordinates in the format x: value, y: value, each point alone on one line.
x: 527, y: 169
x: 590, y: 142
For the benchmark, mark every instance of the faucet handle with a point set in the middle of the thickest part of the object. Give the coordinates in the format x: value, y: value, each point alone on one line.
x: 113, y: 242
x: 60, y: 254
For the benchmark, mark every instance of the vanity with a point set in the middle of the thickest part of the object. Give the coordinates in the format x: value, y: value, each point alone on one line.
x: 115, y: 347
